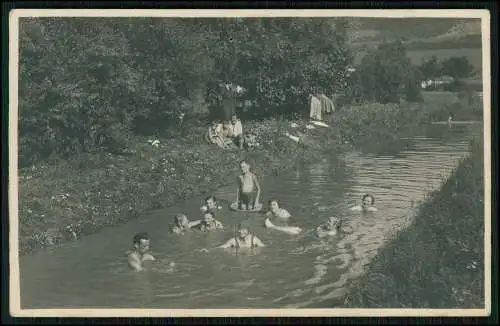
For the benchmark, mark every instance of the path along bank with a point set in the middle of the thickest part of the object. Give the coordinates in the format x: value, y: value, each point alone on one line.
x: 65, y: 200
x: 438, y: 261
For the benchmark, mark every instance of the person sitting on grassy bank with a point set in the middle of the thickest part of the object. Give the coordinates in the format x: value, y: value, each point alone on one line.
x: 276, y: 211
x: 216, y: 135
x: 248, y: 188
x: 235, y: 131
x: 367, y: 204
x: 209, y: 223
x: 140, y: 253
x: 182, y: 224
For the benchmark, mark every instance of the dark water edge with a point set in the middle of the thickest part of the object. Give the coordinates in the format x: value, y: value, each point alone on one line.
x: 438, y: 261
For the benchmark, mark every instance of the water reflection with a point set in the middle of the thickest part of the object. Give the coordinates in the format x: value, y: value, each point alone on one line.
x: 293, y: 271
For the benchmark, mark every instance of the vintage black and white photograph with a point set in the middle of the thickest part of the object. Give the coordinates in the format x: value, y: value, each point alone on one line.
x: 247, y: 161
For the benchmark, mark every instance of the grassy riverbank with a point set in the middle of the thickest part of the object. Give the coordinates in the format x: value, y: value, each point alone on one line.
x: 89, y: 192
x: 438, y: 261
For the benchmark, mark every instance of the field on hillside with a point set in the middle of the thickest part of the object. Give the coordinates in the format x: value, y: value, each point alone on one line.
x: 417, y: 56
x: 474, y: 55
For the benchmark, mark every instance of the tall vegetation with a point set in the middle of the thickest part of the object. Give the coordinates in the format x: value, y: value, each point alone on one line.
x: 88, y: 84
x: 385, y: 75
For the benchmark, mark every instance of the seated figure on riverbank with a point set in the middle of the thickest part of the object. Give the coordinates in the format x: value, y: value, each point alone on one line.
x: 276, y: 211
x: 367, y: 204
x: 211, y: 204
x: 235, y: 131
x: 248, y: 189
x: 330, y: 228
x: 209, y: 223
x: 140, y: 253
x: 243, y: 239
x: 216, y: 135
x: 182, y: 224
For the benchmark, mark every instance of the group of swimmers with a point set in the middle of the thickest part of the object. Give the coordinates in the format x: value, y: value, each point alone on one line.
x: 247, y: 199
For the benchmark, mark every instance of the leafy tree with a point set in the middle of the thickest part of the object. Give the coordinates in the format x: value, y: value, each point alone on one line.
x: 384, y: 73
x: 87, y: 84
x: 430, y: 69
x: 412, y: 88
x: 457, y: 67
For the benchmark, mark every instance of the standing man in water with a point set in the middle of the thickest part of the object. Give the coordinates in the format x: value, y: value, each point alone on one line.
x: 248, y: 188
x: 140, y: 253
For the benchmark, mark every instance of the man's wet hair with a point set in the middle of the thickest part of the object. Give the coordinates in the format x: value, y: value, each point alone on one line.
x: 368, y: 195
x: 273, y: 199
x: 242, y: 227
x: 210, y: 197
x: 140, y: 236
x: 210, y: 213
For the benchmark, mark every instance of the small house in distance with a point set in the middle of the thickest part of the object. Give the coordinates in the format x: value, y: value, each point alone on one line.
x: 436, y: 83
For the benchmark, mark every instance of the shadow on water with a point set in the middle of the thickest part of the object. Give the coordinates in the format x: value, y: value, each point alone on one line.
x: 293, y: 271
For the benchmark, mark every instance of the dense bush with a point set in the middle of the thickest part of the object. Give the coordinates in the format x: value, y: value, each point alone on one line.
x: 86, y: 84
x: 385, y: 75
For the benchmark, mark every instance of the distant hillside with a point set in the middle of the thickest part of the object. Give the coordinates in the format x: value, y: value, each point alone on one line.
x: 423, y: 37
x: 417, y: 33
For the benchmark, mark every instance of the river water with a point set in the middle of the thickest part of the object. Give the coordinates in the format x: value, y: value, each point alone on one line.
x: 294, y: 271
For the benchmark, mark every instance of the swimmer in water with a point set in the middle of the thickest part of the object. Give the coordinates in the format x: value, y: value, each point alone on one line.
x: 367, y: 204
x: 209, y: 223
x: 243, y: 239
x: 211, y: 204
x: 287, y: 229
x: 182, y: 224
x: 140, y: 253
x: 330, y: 228
x: 276, y: 211
x: 248, y: 189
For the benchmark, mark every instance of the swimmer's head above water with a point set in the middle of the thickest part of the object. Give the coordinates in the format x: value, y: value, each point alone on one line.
x: 274, y: 205
x: 181, y: 221
x: 367, y: 201
x: 210, y: 202
x: 333, y: 222
x: 244, y: 166
x: 242, y: 232
x: 142, y: 242
x: 208, y: 217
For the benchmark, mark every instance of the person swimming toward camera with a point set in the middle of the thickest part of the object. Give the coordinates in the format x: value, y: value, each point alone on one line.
x: 367, y: 204
x: 276, y: 211
x: 248, y: 189
x: 330, y: 228
x: 209, y: 223
x: 243, y: 239
x: 140, y: 252
x: 211, y: 204
x: 182, y: 224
